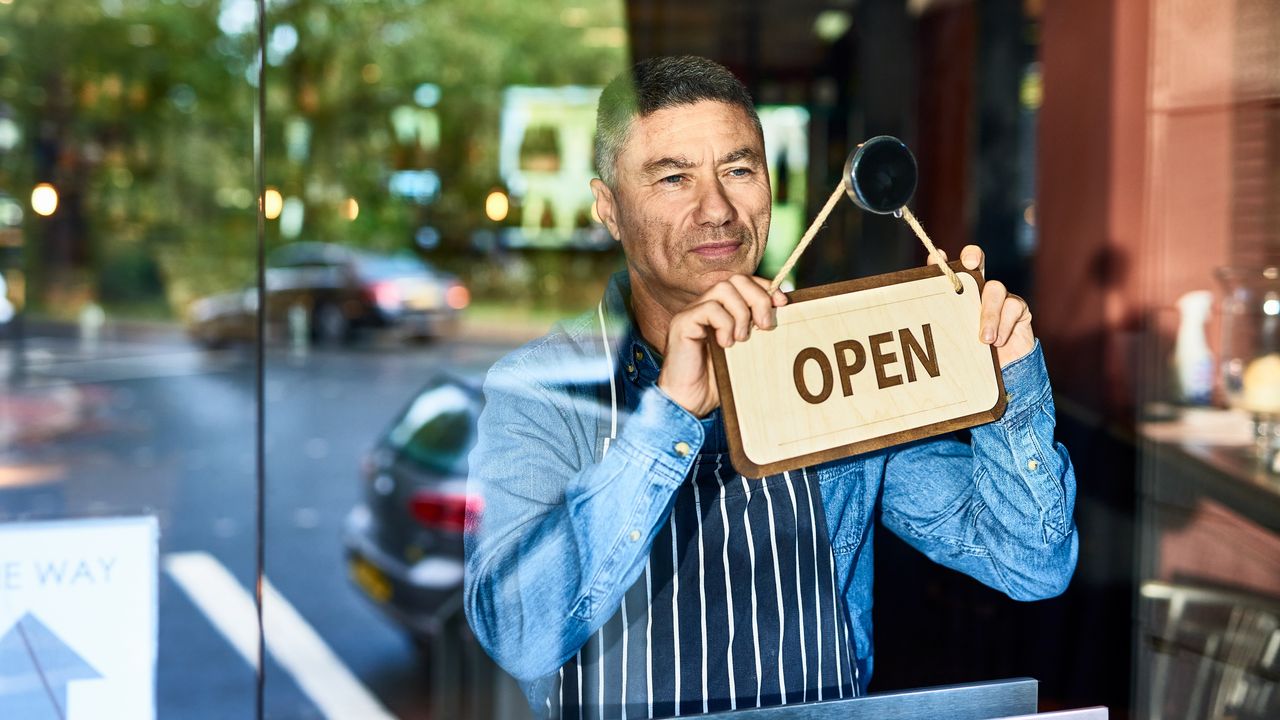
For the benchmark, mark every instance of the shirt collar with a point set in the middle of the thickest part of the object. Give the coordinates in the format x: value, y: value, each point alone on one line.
x: 637, y: 361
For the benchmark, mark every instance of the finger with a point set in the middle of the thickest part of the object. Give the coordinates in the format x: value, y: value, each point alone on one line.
x: 728, y: 296
x: 933, y: 259
x: 778, y: 297
x: 701, y: 322
x: 973, y: 258
x: 712, y: 315
x: 993, y: 297
x: 757, y: 299
x: 1011, y: 313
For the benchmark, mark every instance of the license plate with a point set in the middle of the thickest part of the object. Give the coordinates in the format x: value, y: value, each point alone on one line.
x: 423, y: 299
x: 370, y: 579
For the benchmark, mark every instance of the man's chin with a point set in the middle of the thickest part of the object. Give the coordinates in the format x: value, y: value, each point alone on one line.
x: 709, y: 277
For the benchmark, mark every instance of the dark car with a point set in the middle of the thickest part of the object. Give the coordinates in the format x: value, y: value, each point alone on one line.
x: 404, y: 541
x: 330, y: 291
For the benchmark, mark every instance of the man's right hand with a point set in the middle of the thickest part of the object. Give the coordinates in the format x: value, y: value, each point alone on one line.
x: 724, y: 314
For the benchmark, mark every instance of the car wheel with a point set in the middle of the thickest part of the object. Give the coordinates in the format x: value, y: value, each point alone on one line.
x: 420, y: 338
x: 210, y: 339
x: 330, y: 325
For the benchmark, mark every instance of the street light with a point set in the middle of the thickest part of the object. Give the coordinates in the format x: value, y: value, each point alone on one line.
x: 44, y: 199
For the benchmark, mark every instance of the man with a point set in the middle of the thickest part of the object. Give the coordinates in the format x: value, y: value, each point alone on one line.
x: 621, y: 568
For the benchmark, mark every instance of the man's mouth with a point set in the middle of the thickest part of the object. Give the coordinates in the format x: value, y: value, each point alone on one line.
x: 715, y: 250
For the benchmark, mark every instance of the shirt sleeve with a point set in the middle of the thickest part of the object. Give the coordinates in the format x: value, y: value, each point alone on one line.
x: 999, y: 508
x: 560, y: 539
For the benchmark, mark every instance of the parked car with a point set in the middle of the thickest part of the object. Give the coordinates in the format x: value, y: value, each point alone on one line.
x: 219, y: 320
x: 331, y: 291
x: 404, y: 541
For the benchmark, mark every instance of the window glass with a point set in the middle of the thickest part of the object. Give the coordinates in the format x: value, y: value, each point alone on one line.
x: 127, y: 398
x: 374, y: 266
x: 439, y: 155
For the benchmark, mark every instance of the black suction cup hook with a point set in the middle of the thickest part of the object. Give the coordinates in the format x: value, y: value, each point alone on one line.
x: 880, y: 176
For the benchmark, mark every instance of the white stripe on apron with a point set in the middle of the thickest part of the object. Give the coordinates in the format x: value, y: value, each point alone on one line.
x: 683, y: 609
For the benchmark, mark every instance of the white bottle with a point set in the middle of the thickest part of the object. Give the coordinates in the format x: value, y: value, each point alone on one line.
x: 1192, y: 360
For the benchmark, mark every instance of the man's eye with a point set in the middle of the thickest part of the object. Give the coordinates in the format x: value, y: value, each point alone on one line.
x: 672, y: 180
x: 740, y: 172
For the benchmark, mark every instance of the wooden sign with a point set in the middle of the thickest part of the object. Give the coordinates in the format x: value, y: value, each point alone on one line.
x: 857, y: 366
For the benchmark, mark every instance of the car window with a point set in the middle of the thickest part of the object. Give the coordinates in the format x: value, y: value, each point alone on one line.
x: 438, y: 430
x: 305, y: 254
x: 388, y: 266
x: 290, y: 255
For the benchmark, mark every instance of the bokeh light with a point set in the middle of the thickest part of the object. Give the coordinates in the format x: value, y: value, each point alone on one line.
x: 272, y: 203
x: 44, y: 199
x: 496, y: 206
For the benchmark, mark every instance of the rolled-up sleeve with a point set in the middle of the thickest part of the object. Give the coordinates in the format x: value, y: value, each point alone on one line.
x: 1001, y: 507
x: 561, y: 538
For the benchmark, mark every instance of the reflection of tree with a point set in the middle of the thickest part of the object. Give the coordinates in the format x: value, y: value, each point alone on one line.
x: 141, y: 113
x: 147, y: 148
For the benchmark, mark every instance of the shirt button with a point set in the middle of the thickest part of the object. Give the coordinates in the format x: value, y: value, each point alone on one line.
x: 635, y: 536
x: 631, y: 368
x: 682, y: 449
x: 1033, y: 464
x: 639, y: 355
x: 1008, y: 397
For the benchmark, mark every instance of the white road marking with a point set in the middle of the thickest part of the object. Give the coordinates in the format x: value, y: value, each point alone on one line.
x: 54, y: 371
x: 293, y: 643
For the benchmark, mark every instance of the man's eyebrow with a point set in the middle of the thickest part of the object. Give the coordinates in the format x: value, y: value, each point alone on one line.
x: 742, y: 153
x: 661, y: 165
x: 666, y: 164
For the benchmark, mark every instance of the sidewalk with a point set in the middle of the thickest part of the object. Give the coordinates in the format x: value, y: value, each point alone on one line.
x: 489, y: 329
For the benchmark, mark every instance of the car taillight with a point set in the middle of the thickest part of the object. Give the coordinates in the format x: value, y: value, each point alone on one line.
x: 458, y: 297
x: 386, y: 294
x: 454, y: 513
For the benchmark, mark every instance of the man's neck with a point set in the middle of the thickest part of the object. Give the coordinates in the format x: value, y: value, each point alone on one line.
x: 652, y: 317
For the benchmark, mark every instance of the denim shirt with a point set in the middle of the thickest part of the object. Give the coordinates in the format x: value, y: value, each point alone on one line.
x: 579, y: 455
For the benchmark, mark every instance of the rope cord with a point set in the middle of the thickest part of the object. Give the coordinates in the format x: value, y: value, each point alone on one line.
x: 933, y: 251
x: 807, y: 237
x: 904, y: 213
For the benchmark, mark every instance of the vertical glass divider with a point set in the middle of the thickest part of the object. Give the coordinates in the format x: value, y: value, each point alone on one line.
x: 259, y: 155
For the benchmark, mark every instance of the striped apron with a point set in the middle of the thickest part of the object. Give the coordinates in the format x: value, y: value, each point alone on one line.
x: 738, y: 606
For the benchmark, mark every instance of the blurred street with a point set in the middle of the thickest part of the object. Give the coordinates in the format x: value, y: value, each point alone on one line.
x: 154, y: 425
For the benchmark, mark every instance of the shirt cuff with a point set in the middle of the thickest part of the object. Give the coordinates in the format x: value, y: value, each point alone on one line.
x: 663, y: 432
x: 1026, y: 385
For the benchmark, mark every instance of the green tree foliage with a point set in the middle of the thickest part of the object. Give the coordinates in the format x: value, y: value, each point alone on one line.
x: 137, y: 112
x: 141, y: 113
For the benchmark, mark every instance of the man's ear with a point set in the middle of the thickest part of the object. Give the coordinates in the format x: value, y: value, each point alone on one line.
x: 606, y: 207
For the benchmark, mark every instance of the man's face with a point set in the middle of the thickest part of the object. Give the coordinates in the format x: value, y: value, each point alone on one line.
x: 692, y: 201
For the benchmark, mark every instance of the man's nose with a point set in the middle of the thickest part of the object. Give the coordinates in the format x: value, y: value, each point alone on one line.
x: 714, y: 208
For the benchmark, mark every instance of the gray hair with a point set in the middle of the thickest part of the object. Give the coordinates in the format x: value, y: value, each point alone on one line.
x: 652, y: 85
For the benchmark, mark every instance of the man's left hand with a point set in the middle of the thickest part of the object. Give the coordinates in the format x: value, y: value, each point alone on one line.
x: 1006, y: 319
